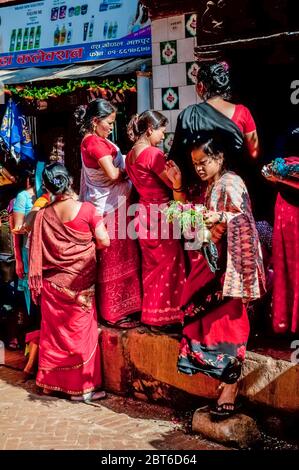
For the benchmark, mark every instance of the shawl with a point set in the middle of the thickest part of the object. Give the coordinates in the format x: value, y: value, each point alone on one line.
x: 60, y: 254
x: 244, y: 277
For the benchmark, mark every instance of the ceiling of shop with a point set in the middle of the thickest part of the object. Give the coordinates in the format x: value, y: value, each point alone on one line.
x: 100, y: 69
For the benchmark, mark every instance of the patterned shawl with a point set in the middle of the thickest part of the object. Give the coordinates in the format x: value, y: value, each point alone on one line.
x: 244, y: 277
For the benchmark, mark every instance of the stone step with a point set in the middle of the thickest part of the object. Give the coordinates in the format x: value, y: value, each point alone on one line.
x: 142, y: 364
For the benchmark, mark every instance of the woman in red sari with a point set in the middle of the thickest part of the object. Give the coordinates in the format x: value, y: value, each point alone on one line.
x: 104, y: 183
x: 216, y: 326
x: 62, y: 274
x: 163, y: 268
x: 285, y: 173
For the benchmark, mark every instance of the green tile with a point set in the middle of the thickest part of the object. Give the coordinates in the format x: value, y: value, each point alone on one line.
x: 167, y: 143
x: 190, y: 25
x: 168, y: 52
x: 170, y: 98
x: 191, y: 72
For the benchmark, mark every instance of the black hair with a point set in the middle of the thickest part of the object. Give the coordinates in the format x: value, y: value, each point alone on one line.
x: 144, y: 17
x: 215, y: 78
x: 214, y: 145
x: 27, y: 175
x: 85, y: 115
x: 138, y: 125
x: 57, y: 179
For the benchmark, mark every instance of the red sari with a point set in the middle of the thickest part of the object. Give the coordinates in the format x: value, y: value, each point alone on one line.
x: 62, y: 273
x: 163, y: 267
x: 216, y: 326
x: 118, y: 278
x: 286, y: 255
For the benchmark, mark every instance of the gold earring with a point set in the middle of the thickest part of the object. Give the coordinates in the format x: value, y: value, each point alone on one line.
x: 94, y: 126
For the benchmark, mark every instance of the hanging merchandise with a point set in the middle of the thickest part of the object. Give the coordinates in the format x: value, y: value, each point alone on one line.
x: 15, y: 134
x: 114, y: 89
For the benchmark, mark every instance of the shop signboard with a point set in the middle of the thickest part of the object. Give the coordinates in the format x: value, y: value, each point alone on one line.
x: 53, y: 32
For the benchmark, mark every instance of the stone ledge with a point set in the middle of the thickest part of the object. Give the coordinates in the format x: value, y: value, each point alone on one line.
x: 142, y: 364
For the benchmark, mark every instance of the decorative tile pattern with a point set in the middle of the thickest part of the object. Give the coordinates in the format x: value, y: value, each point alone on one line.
x: 168, y: 141
x: 191, y: 72
x: 168, y: 51
x: 170, y: 98
x: 190, y: 25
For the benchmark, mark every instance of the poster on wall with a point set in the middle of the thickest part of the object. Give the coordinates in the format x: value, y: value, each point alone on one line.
x: 52, y: 32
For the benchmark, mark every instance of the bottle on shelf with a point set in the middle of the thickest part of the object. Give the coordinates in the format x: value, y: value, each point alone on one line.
x: 91, y: 26
x: 69, y: 33
x: 13, y: 40
x: 62, y: 35
x: 85, y: 30
x: 114, y: 30
x: 37, y: 37
x: 25, y: 39
x: 110, y: 30
x: 56, y: 36
x: 31, y: 37
x: 19, y: 39
x: 105, y: 29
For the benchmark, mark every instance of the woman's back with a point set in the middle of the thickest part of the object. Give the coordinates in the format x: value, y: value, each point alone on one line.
x: 144, y: 172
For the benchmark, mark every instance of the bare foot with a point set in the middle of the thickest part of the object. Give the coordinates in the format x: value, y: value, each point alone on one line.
x: 228, y: 395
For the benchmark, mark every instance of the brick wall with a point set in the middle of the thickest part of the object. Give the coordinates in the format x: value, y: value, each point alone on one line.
x: 174, y: 67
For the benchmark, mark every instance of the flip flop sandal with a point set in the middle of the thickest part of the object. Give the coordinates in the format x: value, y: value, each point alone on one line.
x: 221, y: 412
x: 90, y: 396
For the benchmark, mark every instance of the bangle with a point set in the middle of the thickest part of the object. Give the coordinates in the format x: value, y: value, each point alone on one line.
x: 178, y: 190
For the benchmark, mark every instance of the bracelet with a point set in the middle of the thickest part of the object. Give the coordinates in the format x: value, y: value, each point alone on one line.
x: 178, y: 190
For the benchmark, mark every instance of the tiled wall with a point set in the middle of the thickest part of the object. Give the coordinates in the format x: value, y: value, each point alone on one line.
x: 174, y: 67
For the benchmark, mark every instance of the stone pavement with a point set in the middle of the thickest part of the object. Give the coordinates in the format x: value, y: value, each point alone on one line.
x: 31, y: 421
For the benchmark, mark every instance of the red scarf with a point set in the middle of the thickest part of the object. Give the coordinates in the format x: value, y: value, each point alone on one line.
x: 60, y: 254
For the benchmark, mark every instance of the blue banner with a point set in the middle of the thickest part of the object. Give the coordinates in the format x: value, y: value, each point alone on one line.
x: 136, y: 45
x: 15, y: 134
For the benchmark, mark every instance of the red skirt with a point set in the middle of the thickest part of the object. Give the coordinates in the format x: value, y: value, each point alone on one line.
x: 69, y: 354
x: 286, y: 267
x: 215, y: 330
x: 119, y: 290
x: 163, y: 269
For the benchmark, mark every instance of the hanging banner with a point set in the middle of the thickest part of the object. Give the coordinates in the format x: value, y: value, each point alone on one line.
x: 53, y: 32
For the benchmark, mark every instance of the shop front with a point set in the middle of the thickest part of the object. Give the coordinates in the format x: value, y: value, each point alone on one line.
x: 63, y: 56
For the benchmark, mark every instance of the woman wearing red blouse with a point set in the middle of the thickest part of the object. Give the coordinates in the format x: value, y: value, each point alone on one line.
x: 104, y: 183
x: 163, y: 264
